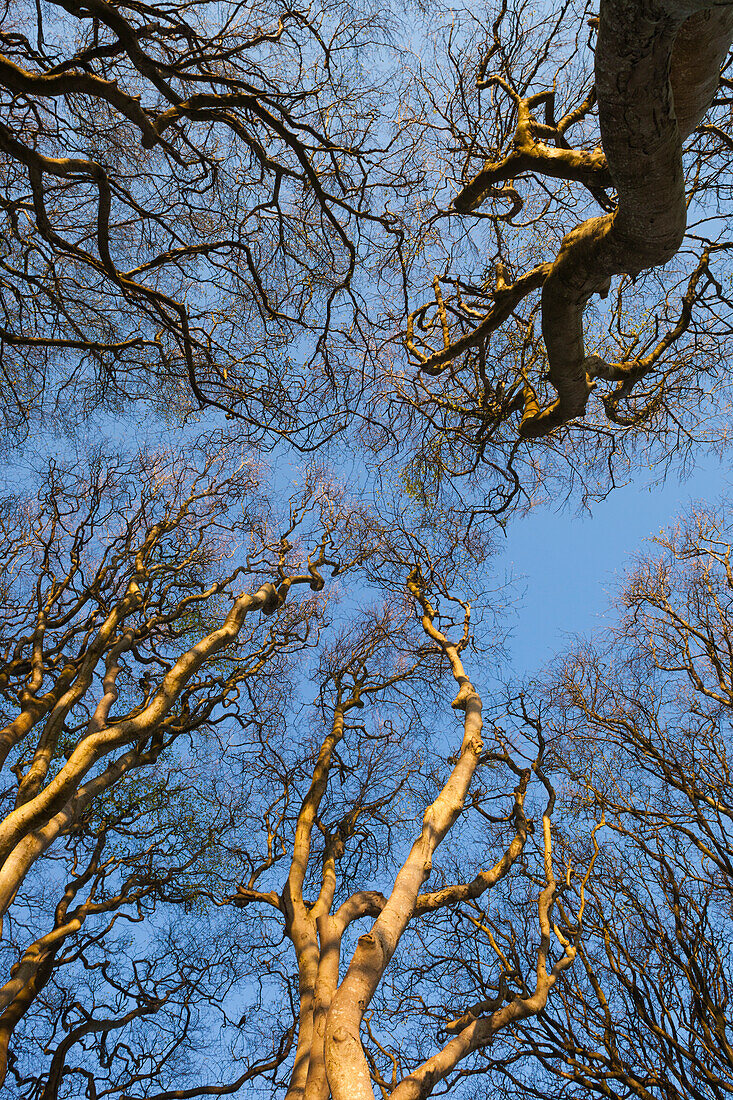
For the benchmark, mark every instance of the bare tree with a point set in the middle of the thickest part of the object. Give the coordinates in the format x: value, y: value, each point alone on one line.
x: 167, y: 775
x: 643, y: 726
x: 331, y: 1058
x: 580, y: 147
x: 215, y: 206
x: 133, y: 604
x: 187, y: 193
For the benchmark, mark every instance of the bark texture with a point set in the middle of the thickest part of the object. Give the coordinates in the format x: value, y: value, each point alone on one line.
x: 348, y: 1071
x: 657, y: 69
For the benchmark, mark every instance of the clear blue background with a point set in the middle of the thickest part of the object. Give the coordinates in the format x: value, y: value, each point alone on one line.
x: 571, y: 567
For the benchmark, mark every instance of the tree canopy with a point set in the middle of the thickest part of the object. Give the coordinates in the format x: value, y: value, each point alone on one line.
x: 299, y: 307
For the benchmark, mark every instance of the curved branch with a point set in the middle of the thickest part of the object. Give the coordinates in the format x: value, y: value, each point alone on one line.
x: 657, y: 69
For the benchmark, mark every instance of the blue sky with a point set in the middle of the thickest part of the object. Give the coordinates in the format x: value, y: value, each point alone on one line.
x: 571, y: 566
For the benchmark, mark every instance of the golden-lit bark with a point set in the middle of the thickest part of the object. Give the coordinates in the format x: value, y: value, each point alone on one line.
x: 88, y: 622
x: 657, y: 70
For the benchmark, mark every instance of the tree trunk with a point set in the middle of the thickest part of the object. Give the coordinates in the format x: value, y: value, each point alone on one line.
x: 657, y: 69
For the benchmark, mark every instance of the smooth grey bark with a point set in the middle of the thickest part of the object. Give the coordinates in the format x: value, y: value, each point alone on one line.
x: 657, y: 69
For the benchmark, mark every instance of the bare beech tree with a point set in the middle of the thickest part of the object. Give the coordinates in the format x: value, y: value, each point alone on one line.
x: 165, y: 773
x: 187, y: 192
x: 587, y: 152
x: 239, y: 206
x: 133, y: 604
x: 644, y: 729
x: 331, y: 1059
